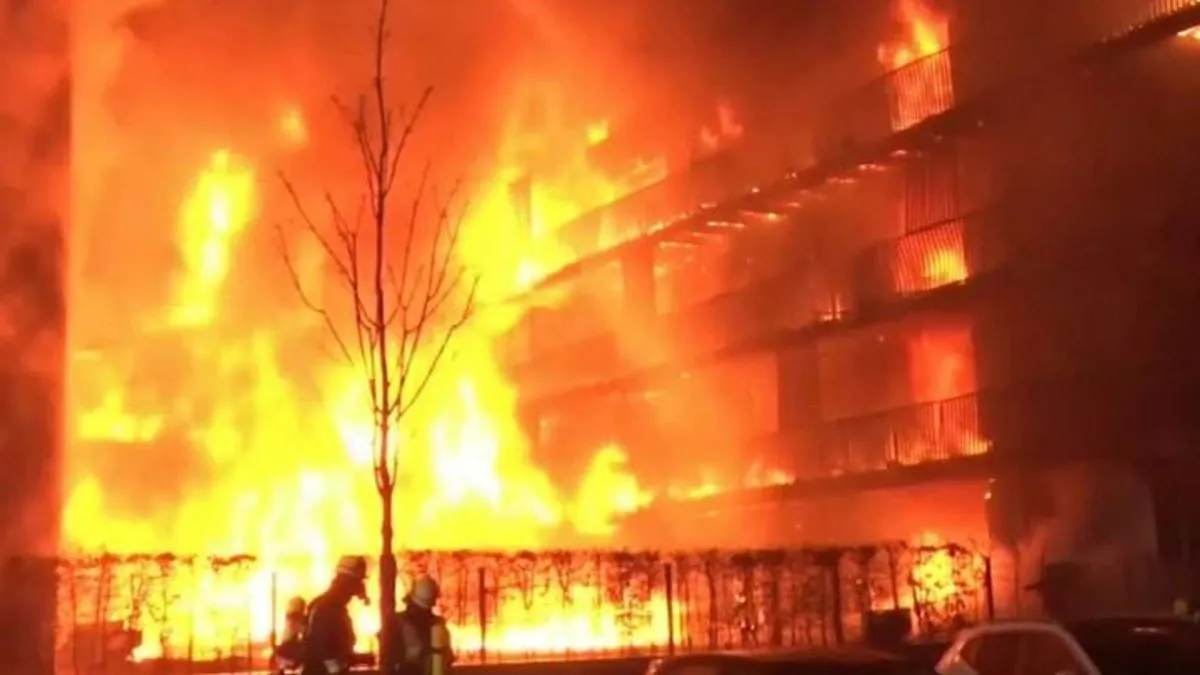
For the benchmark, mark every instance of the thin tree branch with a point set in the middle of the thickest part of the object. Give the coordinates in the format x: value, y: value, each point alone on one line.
x: 402, y: 298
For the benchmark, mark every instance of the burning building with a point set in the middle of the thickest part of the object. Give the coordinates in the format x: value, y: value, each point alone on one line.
x: 935, y: 327
x: 749, y: 321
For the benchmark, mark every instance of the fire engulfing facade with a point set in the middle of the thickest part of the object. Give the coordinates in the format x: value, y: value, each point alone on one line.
x: 963, y: 319
x: 787, y: 347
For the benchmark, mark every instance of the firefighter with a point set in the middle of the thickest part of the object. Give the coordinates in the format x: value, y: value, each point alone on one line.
x: 289, y: 651
x: 329, y: 636
x: 424, y: 641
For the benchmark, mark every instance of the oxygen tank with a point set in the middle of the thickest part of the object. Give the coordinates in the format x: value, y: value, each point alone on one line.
x: 439, y: 643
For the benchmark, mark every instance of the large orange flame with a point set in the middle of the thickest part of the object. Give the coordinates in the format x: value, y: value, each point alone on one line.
x: 287, y: 476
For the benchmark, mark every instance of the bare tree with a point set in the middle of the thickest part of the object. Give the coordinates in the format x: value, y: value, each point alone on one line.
x: 406, y: 295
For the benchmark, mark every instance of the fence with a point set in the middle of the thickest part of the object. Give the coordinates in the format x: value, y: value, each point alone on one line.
x: 160, y: 611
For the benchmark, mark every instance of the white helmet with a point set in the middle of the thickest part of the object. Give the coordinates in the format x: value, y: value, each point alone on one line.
x: 425, y: 591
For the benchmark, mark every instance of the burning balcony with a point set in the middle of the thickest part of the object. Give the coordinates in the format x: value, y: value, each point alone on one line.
x: 920, y: 88
x: 805, y: 301
x: 930, y: 432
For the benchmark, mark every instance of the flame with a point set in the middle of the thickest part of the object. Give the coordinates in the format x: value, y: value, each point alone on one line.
x: 233, y: 448
x: 608, y: 482
x: 293, y: 128
x: 928, y: 88
x: 945, y: 266
x: 710, y: 483
x: 937, y: 580
x: 597, y: 132
x: 218, y: 209
x: 727, y: 129
x: 935, y: 571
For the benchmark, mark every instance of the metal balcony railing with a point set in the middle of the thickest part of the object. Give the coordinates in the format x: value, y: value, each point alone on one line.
x: 930, y: 86
x: 1123, y: 17
x: 920, y: 90
x: 894, y: 102
x: 928, y: 432
x: 944, y: 254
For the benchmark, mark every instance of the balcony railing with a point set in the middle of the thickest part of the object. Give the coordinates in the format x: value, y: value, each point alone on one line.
x: 908, y: 436
x: 920, y: 90
x: 945, y: 253
x: 930, y: 86
x: 710, y: 180
x: 1123, y: 17
x: 892, y: 103
x: 948, y: 253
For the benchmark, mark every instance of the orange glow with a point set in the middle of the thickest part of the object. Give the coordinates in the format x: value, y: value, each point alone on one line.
x: 293, y: 128
x: 597, y: 132
x: 927, y: 88
x: 944, y: 267
x: 942, y: 366
x: 710, y: 483
x: 930, y: 259
x: 727, y: 129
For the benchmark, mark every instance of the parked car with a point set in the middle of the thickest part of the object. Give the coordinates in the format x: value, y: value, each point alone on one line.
x: 1111, y: 646
x: 808, y: 662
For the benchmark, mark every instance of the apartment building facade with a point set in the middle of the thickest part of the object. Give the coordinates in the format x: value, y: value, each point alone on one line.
x: 967, y: 317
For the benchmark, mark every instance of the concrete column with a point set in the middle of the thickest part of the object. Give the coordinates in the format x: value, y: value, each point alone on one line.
x: 34, y: 200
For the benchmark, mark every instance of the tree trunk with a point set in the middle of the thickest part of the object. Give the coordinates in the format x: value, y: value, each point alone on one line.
x: 388, y: 658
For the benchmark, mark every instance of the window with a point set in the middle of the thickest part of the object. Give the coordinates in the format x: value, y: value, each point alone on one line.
x: 1045, y: 653
x: 996, y: 654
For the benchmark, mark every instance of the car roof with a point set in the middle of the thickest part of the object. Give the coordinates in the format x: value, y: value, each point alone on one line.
x: 1092, y: 624
x: 825, y: 655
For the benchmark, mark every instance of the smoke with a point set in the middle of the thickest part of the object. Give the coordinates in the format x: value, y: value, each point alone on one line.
x: 33, y: 109
x: 101, y: 39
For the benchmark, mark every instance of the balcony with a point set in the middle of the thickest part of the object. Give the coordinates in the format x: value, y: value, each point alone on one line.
x: 903, y: 437
x: 941, y: 254
x: 920, y: 435
x: 712, y: 179
x: 893, y: 114
x: 893, y: 103
x: 783, y: 309
x: 967, y: 72
x: 1105, y: 412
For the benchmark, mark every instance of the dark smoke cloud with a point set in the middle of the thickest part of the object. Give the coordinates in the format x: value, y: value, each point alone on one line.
x: 34, y: 124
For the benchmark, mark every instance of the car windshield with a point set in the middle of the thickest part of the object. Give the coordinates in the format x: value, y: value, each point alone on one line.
x: 1142, y: 648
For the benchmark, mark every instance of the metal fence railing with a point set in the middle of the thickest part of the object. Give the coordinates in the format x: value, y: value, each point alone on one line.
x: 195, y: 614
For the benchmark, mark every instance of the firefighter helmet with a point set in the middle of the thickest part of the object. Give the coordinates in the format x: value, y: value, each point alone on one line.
x: 297, y: 607
x: 425, y: 591
x: 352, y: 566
